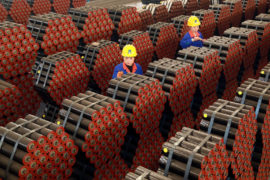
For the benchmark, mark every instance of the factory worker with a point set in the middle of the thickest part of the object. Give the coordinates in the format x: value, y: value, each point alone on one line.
x: 129, y: 53
x: 193, y: 37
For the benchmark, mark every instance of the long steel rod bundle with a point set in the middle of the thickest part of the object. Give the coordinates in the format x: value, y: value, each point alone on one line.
x: 144, y: 173
x: 180, y: 23
x: 60, y: 76
x: 3, y: 13
x: 159, y: 12
x: 146, y: 17
x: 77, y: 3
x: 228, y: 92
x: 143, y: 44
x: 164, y: 38
x: 174, y: 7
x: 208, y: 22
x: 265, y: 73
x: 100, y: 58
x: 236, y: 11
x: 261, y: 6
x: 236, y: 124
x: 33, y: 148
x: 249, y: 8
x: 189, y: 6
x: 263, y: 17
x: 193, y: 154
x: 60, y: 6
x: 94, y: 23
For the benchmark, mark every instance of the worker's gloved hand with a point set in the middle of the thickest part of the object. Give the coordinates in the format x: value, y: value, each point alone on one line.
x: 197, y: 39
x: 119, y: 74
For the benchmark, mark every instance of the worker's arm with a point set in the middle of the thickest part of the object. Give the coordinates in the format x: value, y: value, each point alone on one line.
x: 186, y: 41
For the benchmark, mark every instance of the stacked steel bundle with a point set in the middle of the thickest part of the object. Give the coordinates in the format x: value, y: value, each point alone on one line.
x: 3, y: 13
x: 249, y: 42
x: 159, y: 12
x: 263, y: 17
x: 261, y: 6
x: 94, y: 23
x: 229, y: 92
x: 193, y: 154
x: 40, y: 6
x: 222, y: 16
x: 18, y: 10
x: 146, y: 17
x: 164, y: 38
x: 143, y: 44
x: 60, y: 6
x: 204, y: 4
x: 100, y: 59
x: 125, y: 18
x: 180, y: 23
x: 236, y: 11
x: 54, y: 33
x: 179, y: 82
x: 174, y: 7
x: 265, y: 73
x: 263, y: 32
x: 236, y: 124
x: 77, y: 3
x: 208, y: 23
x: 60, y: 76
x: 33, y: 148
x: 249, y: 8
x: 144, y: 173
x: 256, y: 93
x: 230, y: 52
x: 10, y: 99
x: 97, y: 124
x: 189, y: 6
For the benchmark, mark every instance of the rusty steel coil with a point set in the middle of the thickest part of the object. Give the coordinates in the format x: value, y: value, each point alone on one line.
x: 18, y: 50
x: 208, y: 23
x: 265, y: 73
x: 94, y: 23
x: 222, y: 16
x: 54, y: 33
x: 164, y: 38
x: 10, y: 99
x: 33, y: 148
x: 180, y: 23
x: 159, y: 12
x: 261, y: 6
x: 174, y: 7
x: 206, y: 64
x: 97, y: 124
x: 60, y: 6
x: 236, y: 124
x: 143, y: 44
x: 77, y: 3
x: 147, y: 174
x: 40, y: 6
x: 249, y: 8
x: 3, y: 13
x: 60, y: 76
x: 190, y: 5
x: 146, y: 17
x: 236, y: 11
x: 263, y: 17
x: 203, y: 4
x: 193, y: 154
x: 100, y: 58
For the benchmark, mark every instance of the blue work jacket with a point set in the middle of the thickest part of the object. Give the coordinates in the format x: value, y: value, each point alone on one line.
x: 137, y: 69
x: 186, y: 41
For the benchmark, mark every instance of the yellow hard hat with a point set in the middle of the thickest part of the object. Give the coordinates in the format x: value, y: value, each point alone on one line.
x: 129, y: 51
x: 193, y: 21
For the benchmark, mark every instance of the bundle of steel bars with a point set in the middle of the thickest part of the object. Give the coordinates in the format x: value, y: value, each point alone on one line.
x: 204, y: 4
x: 3, y: 13
x: 54, y: 33
x: 97, y: 124
x: 236, y: 11
x: 208, y: 23
x: 265, y: 73
x: 93, y: 23
x: 193, y: 154
x: 222, y: 16
x: 100, y: 59
x: 189, y: 6
x: 60, y: 76
x: 261, y: 6
x: 249, y: 42
x: 143, y: 44
x: 174, y: 7
x: 146, y: 17
x: 164, y: 38
x: 60, y: 6
x: 77, y: 3
x: 236, y: 124
x: 40, y: 6
x: 159, y: 12
x: 180, y: 23
x: 125, y: 18
x: 263, y: 17
x: 249, y: 8
x: 33, y: 148
x: 144, y: 173
x: 231, y: 56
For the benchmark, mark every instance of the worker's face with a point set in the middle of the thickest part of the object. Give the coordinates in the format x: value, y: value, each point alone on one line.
x: 195, y: 28
x: 129, y: 60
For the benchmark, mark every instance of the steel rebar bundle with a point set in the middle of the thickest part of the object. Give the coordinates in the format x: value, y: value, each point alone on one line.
x: 193, y: 154
x: 189, y: 6
x: 208, y: 23
x: 236, y: 11
x: 60, y: 76
x: 54, y: 33
x: 203, y: 4
x: 3, y: 13
x: 180, y: 23
x: 164, y: 38
x: 144, y: 173
x: 93, y: 23
x: 18, y: 50
x: 97, y: 124
x: 146, y: 17
x: 261, y: 6
x: 143, y: 44
x: 33, y: 148
x: 40, y: 6
x: 265, y: 73
x: 222, y: 16
x: 249, y: 8
x: 77, y: 3
x: 159, y: 12
x: 263, y: 17
x: 174, y: 7
x: 236, y: 124
x: 60, y: 6
x: 100, y: 58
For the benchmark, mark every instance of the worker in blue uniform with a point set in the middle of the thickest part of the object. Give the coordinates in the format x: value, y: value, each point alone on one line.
x: 129, y: 53
x: 193, y: 37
